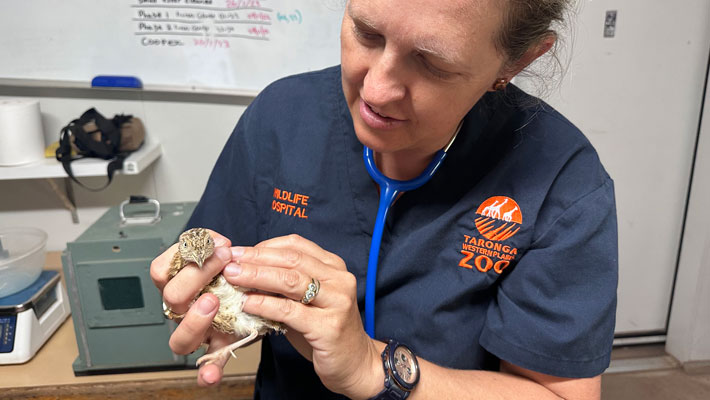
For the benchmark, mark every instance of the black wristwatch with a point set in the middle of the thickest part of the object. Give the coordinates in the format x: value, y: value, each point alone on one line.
x: 401, y: 372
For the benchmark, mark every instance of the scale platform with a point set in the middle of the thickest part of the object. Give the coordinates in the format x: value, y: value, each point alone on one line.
x: 28, y: 318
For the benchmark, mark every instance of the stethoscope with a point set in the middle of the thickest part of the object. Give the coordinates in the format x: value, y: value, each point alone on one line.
x: 389, y: 190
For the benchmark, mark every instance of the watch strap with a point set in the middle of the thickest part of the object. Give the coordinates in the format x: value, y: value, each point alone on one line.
x: 391, y: 391
x: 390, y: 395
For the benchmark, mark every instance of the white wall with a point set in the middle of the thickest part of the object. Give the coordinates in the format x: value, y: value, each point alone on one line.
x: 637, y: 97
x: 191, y: 129
x: 689, y: 328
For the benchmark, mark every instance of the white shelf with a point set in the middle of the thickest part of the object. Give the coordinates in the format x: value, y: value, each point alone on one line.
x: 59, y: 84
x: 51, y: 168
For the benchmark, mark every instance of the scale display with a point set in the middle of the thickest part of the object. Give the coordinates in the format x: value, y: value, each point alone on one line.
x: 7, y: 333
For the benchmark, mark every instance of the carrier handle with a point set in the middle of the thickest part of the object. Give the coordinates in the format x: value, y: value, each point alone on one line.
x: 142, y: 219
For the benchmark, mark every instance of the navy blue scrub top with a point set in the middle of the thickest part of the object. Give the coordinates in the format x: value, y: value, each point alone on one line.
x: 508, y: 252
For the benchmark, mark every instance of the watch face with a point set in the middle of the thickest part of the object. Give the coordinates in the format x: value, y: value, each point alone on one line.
x: 405, y: 365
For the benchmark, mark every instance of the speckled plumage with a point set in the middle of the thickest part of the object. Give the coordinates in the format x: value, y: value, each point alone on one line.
x: 196, y: 245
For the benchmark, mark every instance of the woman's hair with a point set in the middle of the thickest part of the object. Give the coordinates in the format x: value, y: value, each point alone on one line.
x: 525, y: 24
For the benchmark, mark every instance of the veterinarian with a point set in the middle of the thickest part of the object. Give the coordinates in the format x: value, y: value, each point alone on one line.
x: 496, y: 269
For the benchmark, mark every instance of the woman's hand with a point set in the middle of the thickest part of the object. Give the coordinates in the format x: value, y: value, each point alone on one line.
x: 328, y: 331
x: 179, y: 293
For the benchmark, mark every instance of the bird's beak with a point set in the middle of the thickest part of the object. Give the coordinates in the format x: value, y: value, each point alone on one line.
x: 199, y: 260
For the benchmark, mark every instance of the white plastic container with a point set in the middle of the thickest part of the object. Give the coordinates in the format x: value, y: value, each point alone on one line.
x: 22, y: 256
x: 21, y: 133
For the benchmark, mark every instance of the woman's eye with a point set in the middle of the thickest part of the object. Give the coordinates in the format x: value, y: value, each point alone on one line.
x: 436, y: 72
x: 365, y: 35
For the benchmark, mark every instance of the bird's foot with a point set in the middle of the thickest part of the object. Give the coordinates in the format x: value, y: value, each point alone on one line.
x: 221, y: 356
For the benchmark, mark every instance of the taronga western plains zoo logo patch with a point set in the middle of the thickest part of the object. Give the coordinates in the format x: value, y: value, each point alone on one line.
x: 500, y: 218
x: 497, y: 219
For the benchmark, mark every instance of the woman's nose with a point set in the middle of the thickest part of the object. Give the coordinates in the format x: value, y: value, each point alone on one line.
x: 383, y: 82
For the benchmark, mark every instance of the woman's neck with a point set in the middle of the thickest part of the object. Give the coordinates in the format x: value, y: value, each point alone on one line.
x: 402, y: 166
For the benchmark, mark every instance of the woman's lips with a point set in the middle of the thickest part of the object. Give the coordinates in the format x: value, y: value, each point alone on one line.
x: 375, y: 120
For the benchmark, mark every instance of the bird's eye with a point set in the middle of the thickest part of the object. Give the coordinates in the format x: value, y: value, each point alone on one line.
x: 184, y: 244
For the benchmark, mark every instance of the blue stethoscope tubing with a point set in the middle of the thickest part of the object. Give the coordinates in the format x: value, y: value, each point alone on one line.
x: 389, y: 189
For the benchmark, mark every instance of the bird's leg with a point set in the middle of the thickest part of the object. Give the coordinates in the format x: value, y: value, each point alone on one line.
x: 223, y: 353
x: 242, y: 342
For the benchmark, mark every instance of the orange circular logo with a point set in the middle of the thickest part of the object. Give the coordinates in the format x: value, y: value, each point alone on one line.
x: 499, y: 218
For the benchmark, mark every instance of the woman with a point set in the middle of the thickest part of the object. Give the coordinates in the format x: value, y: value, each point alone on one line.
x: 499, y: 273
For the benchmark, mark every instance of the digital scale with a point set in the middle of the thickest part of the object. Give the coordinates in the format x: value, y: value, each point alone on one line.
x: 28, y: 318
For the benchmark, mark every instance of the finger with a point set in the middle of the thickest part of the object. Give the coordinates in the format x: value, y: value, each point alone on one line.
x: 300, y: 317
x: 160, y: 265
x: 304, y: 245
x: 211, y: 374
x: 288, y: 282
x: 179, y: 291
x: 283, y: 257
x: 190, y: 333
x: 219, y: 239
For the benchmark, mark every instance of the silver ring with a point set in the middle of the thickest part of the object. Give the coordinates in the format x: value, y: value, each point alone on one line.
x: 311, y: 291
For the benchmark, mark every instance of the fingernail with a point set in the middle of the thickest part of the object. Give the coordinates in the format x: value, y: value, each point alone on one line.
x: 223, y: 253
x: 206, y: 305
x: 220, y: 241
x: 232, y: 269
x: 237, y: 251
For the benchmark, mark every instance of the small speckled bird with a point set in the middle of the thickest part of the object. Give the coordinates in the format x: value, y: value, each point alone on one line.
x: 196, y: 245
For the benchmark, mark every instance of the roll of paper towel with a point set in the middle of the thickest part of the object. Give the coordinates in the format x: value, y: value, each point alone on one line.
x: 21, y: 135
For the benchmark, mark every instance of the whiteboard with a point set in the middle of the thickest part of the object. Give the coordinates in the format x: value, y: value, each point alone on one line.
x: 190, y: 44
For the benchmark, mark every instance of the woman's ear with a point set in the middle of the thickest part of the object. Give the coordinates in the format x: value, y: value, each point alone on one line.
x: 533, y: 53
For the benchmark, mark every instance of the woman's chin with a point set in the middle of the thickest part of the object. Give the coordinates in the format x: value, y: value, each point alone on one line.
x: 375, y: 141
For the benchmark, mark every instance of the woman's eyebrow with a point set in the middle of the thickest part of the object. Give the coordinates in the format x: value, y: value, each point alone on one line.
x: 436, y: 49
x: 360, y: 19
x: 430, y: 46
